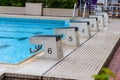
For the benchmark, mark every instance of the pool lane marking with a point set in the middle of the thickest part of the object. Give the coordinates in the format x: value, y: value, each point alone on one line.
x: 21, y: 32
x: 22, y: 38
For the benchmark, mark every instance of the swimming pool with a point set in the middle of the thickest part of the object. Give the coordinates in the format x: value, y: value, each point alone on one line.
x: 15, y: 34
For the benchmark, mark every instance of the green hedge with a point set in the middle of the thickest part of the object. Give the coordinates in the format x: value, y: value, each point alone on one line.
x: 35, y: 1
x: 18, y: 3
x: 47, y: 3
x: 59, y: 3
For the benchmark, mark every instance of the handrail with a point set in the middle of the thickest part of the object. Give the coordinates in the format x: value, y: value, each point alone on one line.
x: 84, y: 12
x: 74, y: 11
x: 37, y: 48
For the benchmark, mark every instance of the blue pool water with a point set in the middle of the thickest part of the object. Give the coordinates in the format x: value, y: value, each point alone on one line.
x: 15, y: 34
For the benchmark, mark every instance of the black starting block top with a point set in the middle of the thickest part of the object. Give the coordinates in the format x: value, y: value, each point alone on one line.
x: 93, y: 18
x: 76, y: 28
x: 99, y: 15
x: 58, y: 37
x: 75, y: 21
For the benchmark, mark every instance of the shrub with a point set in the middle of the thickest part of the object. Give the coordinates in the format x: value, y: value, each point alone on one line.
x: 47, y: 3
x: 59, y: 3
x: 105, y: 74
x: 12, y: 2
x: 35, y: 1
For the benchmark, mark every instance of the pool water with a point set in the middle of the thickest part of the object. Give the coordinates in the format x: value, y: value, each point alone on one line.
x: 16, y: 32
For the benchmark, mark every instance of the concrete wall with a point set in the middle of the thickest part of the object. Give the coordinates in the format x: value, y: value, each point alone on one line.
x: 12, y: 10
x: 58, y: 12
x: 34, y: 9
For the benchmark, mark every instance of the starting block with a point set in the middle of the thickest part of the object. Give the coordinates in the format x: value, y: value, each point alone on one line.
x: 93, y: 23
x: 100, y: 19
x: 106, y: 18
x: 71, y: 35
x: 52, y: 45
x: 83, y: 27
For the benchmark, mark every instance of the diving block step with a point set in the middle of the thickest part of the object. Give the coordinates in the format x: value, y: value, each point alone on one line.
x: 106, y: 18
x: 71, y: 35
x: 93, y: 23
x: 52, y: 45
x: 100, y: 19
x: 83, y: 27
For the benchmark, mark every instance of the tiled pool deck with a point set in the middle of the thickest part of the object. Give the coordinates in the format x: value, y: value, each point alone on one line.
x: 37, y: 66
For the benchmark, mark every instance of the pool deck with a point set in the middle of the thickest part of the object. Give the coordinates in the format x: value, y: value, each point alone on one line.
x: 35, y: 17
x: 73, y: 65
